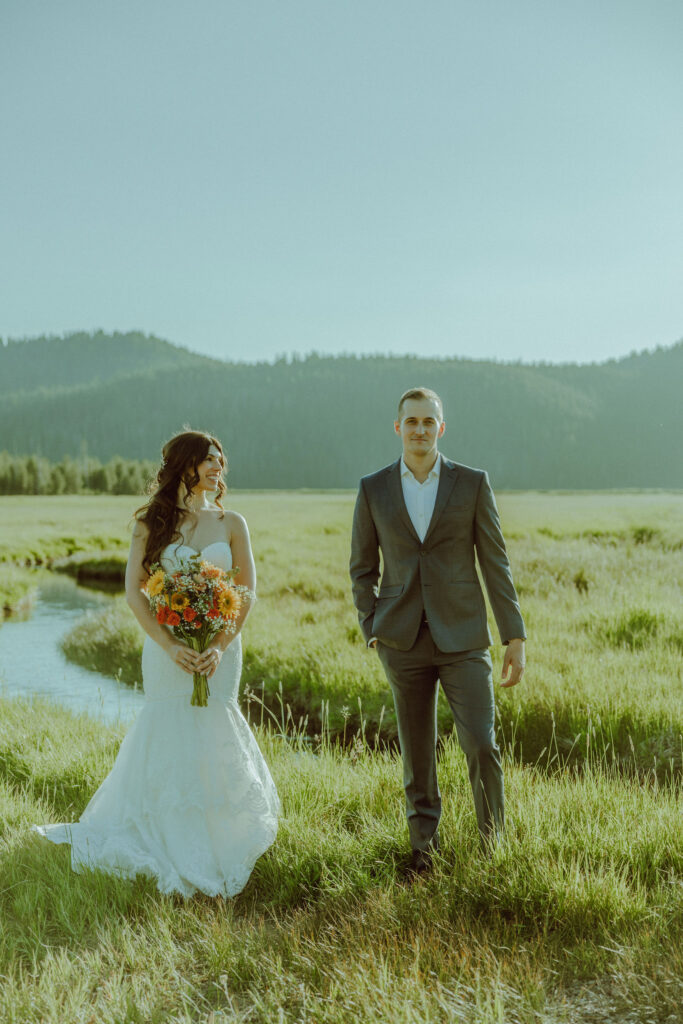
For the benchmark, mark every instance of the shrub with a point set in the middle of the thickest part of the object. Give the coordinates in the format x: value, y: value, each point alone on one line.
x: 581, y: 582
x: 109, y: 642
x: 633, y: 629
x: 644, y: 534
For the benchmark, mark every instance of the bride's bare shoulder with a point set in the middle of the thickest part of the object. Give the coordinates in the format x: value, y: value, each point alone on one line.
x: 140, y: 530
x: 235, y: 524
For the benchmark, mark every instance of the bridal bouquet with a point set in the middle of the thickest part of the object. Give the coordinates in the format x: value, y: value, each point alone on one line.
x: 197, y: 600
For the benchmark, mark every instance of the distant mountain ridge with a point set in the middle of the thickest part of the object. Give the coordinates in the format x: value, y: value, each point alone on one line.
x: 83, y: 358
x: 323, y: 421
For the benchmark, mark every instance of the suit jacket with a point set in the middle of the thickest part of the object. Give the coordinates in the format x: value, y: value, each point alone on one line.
x: 436, y: 576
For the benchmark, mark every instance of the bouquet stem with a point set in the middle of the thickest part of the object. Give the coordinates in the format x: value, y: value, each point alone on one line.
x: 200, y: 691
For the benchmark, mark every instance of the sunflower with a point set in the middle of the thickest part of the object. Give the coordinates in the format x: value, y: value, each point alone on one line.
x: 155, y: 584
x: 179, y: 601
x: 229, y: 602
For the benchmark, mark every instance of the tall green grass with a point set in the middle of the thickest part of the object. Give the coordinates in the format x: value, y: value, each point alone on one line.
x: 580, y: 913
x: 109, y: 641
x: 18, y: 591
x: 600, y: 589
x: 38, y: 530
x: 579, y: 917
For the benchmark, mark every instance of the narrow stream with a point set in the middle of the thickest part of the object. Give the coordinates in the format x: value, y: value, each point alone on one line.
x: 32, y: 664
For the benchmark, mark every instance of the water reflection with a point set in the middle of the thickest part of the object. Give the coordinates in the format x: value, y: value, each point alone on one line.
x: 32, y: 664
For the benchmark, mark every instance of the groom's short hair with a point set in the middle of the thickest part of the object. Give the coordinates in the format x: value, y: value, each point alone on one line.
x: 419, y: 393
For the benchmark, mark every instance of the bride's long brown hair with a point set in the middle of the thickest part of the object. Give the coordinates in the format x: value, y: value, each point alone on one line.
x: 180, y: 457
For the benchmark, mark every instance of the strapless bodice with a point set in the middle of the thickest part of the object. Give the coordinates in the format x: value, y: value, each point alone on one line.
x: 162, y: 678
x: 221, y: 554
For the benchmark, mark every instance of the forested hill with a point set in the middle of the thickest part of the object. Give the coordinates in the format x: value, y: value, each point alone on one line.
x: 50, y: 363
x: 324, y: 421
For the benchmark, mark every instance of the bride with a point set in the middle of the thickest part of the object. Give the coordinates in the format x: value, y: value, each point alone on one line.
x: 189, y: 800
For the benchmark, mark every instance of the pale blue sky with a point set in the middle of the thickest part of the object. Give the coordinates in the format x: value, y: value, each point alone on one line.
x: 494, y: 179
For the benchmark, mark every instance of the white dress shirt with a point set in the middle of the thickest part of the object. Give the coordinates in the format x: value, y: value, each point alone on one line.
x: 420, y: 498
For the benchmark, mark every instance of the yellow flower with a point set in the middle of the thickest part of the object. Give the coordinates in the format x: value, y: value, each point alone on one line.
x: 179, y: 601
x: 229, y: 602
x: 155, y: 584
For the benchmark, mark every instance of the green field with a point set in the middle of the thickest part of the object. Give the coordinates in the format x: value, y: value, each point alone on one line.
x: 580, y: 918
x: 600, y: 582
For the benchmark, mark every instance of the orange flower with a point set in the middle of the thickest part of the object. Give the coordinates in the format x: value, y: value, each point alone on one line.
x: 173, y: 619
x: 211, y: 572
x: 162, y: 614
x: 189, y: 614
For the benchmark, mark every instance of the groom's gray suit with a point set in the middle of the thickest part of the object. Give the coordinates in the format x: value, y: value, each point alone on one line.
x: 429, y: 618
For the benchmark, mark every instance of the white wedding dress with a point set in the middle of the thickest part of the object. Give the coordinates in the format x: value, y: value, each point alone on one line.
x: 189, y: 800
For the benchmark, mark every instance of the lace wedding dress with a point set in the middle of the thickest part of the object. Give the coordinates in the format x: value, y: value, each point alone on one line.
x: 190, y: 800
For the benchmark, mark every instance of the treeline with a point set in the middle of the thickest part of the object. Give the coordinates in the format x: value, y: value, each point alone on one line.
x: 323, y: 421
x: 34, y: 474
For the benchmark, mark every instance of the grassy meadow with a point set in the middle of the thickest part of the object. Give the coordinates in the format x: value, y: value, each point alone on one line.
x: 579, y: 918
x: 600, y: 578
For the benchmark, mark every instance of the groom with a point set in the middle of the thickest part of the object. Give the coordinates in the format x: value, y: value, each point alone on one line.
x: 427, y: 620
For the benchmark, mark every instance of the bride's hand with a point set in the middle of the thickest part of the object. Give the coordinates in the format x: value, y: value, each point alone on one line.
x: 209, y: 660
x: 185, y: 657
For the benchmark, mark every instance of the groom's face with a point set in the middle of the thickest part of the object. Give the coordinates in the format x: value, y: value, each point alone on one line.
x: 420, y: 426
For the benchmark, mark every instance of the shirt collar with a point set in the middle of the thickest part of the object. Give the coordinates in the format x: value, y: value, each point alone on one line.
x: 433, y: 474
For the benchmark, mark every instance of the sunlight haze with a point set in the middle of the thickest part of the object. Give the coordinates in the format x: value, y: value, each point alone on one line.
x: 498, y: 181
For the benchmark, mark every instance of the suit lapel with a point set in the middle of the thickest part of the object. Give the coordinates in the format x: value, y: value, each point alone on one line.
x: 447, y: 478
x: 398, y: 501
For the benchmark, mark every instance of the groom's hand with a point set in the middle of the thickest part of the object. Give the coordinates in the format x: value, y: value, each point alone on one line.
x: 513, y: 663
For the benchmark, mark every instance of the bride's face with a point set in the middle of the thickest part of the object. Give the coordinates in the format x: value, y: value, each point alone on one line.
x: 210, y: 470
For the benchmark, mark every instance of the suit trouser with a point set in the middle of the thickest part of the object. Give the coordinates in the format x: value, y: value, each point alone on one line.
x: 467, y: 682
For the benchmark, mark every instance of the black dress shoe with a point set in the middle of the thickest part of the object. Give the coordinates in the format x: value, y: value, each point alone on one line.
x: 421, y: 862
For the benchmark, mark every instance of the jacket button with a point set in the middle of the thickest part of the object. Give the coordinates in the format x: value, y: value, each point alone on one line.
x: 422, y: 551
